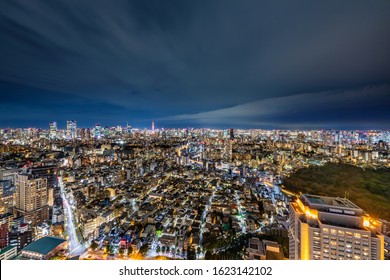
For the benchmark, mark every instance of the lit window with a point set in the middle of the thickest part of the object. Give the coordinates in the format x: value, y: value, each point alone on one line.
x: 357, y: 235
x: 341, y: 232
x: 333, y: 231
x: 325, y: 230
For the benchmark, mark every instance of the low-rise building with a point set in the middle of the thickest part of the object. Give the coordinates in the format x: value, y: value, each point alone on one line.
x: 44, y: 248
x: 264, y: 250
x: 8, y: 253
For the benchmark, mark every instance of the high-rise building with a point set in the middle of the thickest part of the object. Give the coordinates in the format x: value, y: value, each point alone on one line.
x: 52, y: 130
x: 71, y: 130
x: 332, y: 228
x: 31, y: 198
x: 228, y: 150
x: 82, y: 134
x: 128, y: 128
x: 97, y: 131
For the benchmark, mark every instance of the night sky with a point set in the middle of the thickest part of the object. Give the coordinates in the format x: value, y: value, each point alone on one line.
x: 215, y: 64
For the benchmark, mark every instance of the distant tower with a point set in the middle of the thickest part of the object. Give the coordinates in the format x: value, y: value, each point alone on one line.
x: 230, y: 151
x: 153, y: 127
x: 52, y: 130
x: 231, y: 134
x: 71, y: 130
x: 97, y: 131
x: 128, y: 128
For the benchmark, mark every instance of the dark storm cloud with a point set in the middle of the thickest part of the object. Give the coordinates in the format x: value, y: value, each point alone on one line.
x: 348, y: 108
x: 171, y: 59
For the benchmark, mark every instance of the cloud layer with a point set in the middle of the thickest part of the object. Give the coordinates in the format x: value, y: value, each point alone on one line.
x: 155, y: 59
x: 341, y: 109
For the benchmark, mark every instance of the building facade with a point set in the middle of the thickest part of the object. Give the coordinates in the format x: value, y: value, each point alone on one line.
x: 332, y: 228
x: 31, y: 199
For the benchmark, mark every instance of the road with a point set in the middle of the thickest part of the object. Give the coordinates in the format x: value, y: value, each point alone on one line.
x: 206, y: 211
x: 75, y: 247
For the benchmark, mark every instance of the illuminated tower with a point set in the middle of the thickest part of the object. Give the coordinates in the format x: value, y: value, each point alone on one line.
x: 231, y: 134
x: 52, y: 130
x: 230, y: 155
x: 152, y: 127
x: 97, y: 131
x: 332, y: 228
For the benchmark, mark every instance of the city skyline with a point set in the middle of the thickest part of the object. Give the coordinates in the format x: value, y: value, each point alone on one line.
x: 186, y: 64
x: 58, y: 126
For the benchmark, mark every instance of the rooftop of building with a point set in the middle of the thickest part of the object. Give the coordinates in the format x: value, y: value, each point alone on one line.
x: 256, y: 245
x: 330, y: 201
x: 6, y: 249
x: 44, y: 245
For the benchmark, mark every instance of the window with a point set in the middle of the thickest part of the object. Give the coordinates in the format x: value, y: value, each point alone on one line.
x: 341, y: 232
x: 357, y: 235
x: 325, y: 230
x: 333, y: 231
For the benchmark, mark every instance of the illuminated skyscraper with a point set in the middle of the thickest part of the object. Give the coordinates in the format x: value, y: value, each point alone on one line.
x: 71, y: 130
x: 97, y: 131
x: 332, y: 228
x: 52, y: 130
x: 231, y: 134
x: 31, y: 198
x: 152, y: 127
